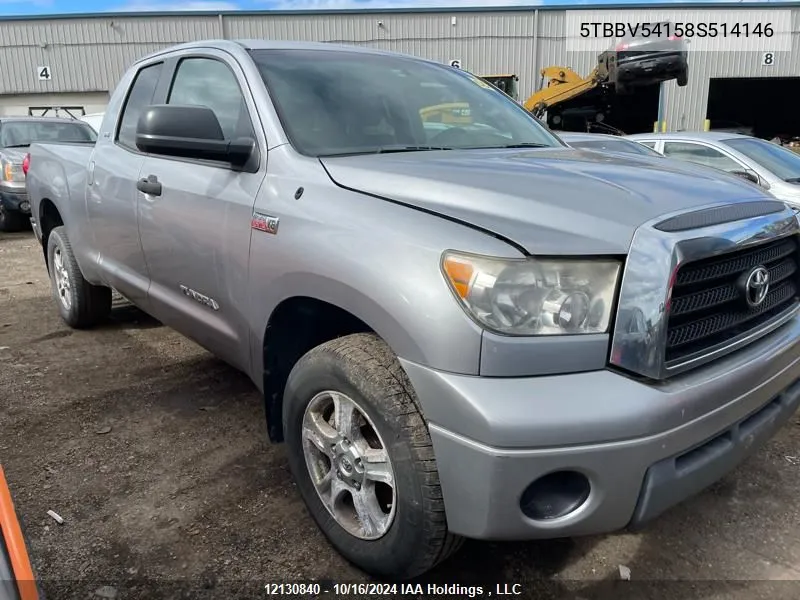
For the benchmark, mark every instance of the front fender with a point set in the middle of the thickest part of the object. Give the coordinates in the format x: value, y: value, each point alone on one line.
x: 400, y: 337
x: 381, y: 264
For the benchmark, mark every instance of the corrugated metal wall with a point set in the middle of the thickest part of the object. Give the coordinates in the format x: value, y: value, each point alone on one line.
x: 90, y: 54
x: 686, y: 107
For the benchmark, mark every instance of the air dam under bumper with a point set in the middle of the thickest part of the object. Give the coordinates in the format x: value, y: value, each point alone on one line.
x: 641, y: 448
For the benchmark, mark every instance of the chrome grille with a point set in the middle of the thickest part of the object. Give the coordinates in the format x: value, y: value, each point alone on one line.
x: 708, y: 305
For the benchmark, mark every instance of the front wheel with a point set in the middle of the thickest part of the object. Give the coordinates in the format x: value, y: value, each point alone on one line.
x: 362, y: 458
x: 80, y: 303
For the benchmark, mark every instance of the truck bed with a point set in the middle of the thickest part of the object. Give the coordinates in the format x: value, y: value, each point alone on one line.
x: 58, y: 172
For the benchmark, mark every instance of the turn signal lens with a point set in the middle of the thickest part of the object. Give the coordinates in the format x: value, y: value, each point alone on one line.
x: 459, y: 272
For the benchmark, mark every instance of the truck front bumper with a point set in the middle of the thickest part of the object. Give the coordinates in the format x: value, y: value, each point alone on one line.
x: 15, y: 201
x: 595, y: 452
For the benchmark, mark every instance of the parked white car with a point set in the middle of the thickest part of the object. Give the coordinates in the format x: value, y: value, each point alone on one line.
x: 95, y: 120
x: 603, y: 142
x: 773, y: 167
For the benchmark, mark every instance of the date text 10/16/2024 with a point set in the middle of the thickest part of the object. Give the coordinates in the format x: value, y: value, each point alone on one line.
x: 392, y: 589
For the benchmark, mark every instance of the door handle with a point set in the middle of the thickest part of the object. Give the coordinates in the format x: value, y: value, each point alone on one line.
x: 151, y: 185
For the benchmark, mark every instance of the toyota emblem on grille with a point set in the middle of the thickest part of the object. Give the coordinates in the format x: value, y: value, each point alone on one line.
x: 757, y: 286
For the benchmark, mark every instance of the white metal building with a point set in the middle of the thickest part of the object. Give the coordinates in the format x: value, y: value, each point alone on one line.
x: 74, y: 61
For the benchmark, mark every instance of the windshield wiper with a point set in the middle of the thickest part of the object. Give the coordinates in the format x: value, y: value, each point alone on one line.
x: 792, y: 180
x: 527, y: 145
x: 17, y: 146
x: 389, y: 149
x: 505, y: 146
x: 383, y: 150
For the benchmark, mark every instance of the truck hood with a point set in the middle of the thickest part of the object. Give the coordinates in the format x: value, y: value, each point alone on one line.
x: 547, y: 201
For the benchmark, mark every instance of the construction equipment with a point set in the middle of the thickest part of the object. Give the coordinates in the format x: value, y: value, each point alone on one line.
x: 563, y: 84
x: 452, y: 113
x: 636, y: 61
x: 504, y: 83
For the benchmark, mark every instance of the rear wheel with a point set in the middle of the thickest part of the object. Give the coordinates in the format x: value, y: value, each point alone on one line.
x: 80, y: 303
x: 362, y: 458
x: 683, y: 78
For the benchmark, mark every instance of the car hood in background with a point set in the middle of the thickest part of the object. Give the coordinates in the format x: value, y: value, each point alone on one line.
x: 548, y: 201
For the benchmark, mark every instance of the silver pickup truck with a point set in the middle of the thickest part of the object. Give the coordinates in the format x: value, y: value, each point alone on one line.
x: 462, y: 327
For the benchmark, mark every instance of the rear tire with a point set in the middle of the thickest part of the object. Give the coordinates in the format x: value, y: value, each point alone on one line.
x: 408, y: 533
x: 683, y: 78
x: 80, y: 303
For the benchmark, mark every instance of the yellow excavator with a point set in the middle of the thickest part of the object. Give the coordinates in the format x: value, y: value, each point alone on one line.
x: 634, y: 61
x: 504, y: 83
x: 563, y: 84
x: 640, y: 61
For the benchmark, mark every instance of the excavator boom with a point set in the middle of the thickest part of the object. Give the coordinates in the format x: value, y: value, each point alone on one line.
x: 563, y: 84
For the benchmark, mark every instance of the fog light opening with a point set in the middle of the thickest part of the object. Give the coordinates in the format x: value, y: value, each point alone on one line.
x: 555, y: 495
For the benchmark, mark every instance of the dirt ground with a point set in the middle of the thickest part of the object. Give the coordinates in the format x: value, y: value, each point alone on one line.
x: 155, y: 455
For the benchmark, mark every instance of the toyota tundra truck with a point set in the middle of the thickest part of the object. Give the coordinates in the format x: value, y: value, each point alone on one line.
x: 467, y: 331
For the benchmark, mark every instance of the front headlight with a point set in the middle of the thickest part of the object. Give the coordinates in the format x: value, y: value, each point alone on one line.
x: 11, y: 172
x: 534, y: 297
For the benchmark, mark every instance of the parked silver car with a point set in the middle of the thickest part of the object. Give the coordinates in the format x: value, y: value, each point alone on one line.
x: 773, y: 167
x: 603, y: 142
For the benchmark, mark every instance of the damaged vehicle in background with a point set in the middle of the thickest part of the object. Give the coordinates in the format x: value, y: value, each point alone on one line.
x: 16, y: 135
x: 651, y: 54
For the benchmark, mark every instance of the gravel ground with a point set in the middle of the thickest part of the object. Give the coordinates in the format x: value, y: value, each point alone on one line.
x: 155, y: 455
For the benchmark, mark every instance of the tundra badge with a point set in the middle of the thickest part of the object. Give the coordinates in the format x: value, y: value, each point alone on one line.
x: 265, y: 223
x: 201, y: 298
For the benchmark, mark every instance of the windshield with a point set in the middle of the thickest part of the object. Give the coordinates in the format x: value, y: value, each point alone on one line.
x: 18, y: 134
x: 613, y: 146
x: 338, y: 103
x: 783, y: 163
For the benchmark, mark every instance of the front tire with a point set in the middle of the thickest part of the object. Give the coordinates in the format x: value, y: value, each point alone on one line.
x: 80, y: 303
x: 362, y: 457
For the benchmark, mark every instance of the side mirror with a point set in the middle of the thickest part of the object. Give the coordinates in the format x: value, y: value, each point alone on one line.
x: 189, y: 132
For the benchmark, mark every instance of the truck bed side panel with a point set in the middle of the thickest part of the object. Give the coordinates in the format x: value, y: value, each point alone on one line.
x: 58, y: 175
